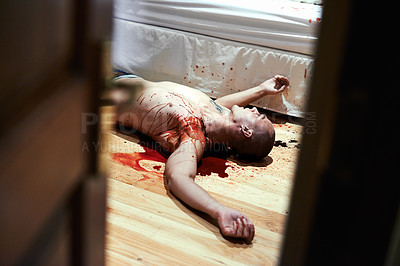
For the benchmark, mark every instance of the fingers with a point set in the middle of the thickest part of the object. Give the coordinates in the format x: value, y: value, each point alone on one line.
x: 234, y: 224
x: 281, y: 83
x: 248, y: 232
x: 230, y: 230
x: 282, y: 79
x: 252, y: 232
x: 235, y: 227
x: 243, y: 229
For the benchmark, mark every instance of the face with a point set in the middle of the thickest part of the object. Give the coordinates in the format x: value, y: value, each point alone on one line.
x: 244, y: 122
x: 247, y: 116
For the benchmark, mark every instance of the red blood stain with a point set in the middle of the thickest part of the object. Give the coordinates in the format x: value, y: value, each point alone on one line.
x: 212, y: 74
x: 202, y: 71
x: 191, y: 129
x: 309, y: 20
x: 231, y: 68
x: 197, y: 66
x: 305, y: 73
x: 211, y: 165
x: 223, y: 64
x: 133, y: 159
x: 318, y: 19
x: 207, y: 166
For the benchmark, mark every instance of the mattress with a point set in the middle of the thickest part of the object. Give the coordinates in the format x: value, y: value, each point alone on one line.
x: 280, y: 24
x: 146, y: 44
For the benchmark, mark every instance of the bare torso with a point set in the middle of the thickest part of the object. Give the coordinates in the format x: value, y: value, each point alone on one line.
x: 169, y: 113
x: 175, y: 116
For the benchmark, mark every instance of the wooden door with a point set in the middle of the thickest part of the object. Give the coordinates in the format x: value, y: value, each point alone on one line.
x: 345, y: 201
x: 52, y: 197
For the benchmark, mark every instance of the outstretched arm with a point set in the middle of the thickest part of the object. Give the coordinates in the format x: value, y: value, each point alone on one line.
x: 273, y: 86
x: 180, y: 171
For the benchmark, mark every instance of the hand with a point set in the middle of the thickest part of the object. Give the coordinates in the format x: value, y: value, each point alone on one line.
x: 235, y: 224
x: 275, y: 85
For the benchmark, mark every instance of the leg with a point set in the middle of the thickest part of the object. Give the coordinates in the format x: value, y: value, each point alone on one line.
x: 273, y: 86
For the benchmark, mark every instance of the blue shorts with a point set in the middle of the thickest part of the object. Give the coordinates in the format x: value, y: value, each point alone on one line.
x: 119, y: 74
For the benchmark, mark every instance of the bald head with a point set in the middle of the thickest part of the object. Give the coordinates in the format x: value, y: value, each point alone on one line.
x: 259, y: 144
x: 256, y: 134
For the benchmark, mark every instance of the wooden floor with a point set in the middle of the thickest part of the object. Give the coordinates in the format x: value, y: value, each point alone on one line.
x: 148, y: 225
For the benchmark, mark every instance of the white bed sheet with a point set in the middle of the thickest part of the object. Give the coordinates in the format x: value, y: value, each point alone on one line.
x: 278, y: 24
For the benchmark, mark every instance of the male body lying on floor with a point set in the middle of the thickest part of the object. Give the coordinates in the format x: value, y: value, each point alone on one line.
x: 185, y: 121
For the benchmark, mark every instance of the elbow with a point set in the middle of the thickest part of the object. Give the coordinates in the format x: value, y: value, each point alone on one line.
x: 176, y: 182
x: 169, y: 182
x: 172, y: 182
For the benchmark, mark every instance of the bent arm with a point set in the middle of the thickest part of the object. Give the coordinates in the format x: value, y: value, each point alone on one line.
x: 272, y: 86
x: 242, y: 98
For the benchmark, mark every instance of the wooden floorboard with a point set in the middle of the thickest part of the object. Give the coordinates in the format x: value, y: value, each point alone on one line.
x: 148, y: 225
